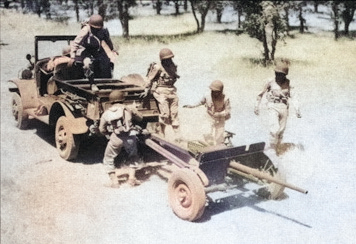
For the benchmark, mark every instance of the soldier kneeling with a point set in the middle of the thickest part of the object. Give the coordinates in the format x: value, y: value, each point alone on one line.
x: 116, y: 123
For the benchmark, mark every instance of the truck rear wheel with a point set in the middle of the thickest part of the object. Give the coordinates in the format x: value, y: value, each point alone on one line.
x: 186, y: 194
x: 67, y: 144
x: 20, y: 116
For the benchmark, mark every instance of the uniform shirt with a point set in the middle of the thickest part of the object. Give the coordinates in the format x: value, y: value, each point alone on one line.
x: 279, y: 93
x: 87, y: 43
x: 217, y: 108
x: 159, y: 77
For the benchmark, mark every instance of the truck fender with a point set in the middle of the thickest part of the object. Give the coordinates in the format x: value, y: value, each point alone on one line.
x: 27, y: 90
x: 77, y: 125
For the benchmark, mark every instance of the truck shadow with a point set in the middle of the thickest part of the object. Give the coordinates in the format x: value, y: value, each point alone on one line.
x: 239, y: 201
x: 91, y: 149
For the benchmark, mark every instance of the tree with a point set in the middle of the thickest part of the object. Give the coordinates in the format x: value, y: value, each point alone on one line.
x: 203, y: 7
x: 123, y: 8
x: 335, y: 6
x: 348, y: 14
x: 264, y: 22
x: 238, y: 6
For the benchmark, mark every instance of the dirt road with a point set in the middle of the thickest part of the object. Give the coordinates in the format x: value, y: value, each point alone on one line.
x: 45, y: 199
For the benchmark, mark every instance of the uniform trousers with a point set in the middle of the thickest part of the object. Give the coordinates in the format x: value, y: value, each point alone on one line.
x: 168, y: 105
x: 115, y: 144
x: 277, y: 120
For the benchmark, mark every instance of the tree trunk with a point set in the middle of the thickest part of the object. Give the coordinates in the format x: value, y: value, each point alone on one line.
x: 176, y: 4
x: 124, y: 18
x: 219, y: 12
x: 76, y: 7
x: 185, y: 5
x: 195, y: 15
x: 348, y: 15
x: 316, y: 4
x: 239, y: 12
x: 102, y: 8
x: 301, y: 20
x: 335, y: 8
x: 203, y: 16
x: 158, y: 7
x: 266, y: 50
x: 286, y: 18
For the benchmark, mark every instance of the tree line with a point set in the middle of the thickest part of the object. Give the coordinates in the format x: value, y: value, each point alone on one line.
x: 268, y: 21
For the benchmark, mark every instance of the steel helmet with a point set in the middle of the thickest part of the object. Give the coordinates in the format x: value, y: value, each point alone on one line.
x: 165, y: 53
x: 116, y: 96
x: 66, y: 51
x: 217, y: 85
x: 96, y: 21
x: 282, y: 67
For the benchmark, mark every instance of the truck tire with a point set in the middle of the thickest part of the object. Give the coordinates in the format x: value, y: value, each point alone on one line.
x: 67, y: 144
x: 186, y: 194
x: 21, y: 117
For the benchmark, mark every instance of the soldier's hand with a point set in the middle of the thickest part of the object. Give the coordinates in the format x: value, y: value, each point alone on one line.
x: 144, y: 94
x: 257, y: 110
x: 71, y: 62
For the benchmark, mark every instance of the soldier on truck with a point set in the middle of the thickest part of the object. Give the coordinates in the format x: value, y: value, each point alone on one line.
x: 93, y: 49
x: 161, y: 78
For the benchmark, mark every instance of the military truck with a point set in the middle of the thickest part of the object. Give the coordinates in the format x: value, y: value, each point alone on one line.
x: 67, y: 104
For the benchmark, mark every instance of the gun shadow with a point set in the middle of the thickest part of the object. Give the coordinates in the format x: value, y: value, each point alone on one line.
x: 241, y: 201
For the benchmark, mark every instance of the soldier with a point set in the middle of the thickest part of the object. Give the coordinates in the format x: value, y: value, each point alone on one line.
x: 279, y: 95
x: 59, y: 66
x: 160, y: 79
x: 218, y: 108
x: 116, y: 122
x: 93, y: 48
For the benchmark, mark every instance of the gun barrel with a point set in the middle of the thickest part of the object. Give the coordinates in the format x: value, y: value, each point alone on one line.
x: 262, y: 175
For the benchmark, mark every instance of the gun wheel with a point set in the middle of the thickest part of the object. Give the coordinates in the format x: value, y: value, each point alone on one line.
x: 20, y: 116
x: 186, y: 195
x: 67, y: 144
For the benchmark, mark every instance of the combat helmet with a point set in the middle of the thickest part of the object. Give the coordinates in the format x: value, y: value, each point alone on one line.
x: 282, y: 66
x: 217, y: 85
x: 165, y: 53
x: 96, y: 21
x: 116, y: 96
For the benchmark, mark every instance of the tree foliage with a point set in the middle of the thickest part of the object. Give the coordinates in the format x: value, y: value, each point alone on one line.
x: 264, y: 22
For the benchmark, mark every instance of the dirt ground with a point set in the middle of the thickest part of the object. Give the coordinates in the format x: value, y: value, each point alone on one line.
x: 45, y: 199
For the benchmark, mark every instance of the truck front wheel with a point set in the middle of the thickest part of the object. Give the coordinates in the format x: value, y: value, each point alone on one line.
x: 67, y: 144
x: 186, y: 194
x: 18, y: 112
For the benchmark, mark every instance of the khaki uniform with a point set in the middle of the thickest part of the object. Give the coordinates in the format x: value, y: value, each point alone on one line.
x: 219, y: 110
x: 117, y: 121
x: 279, y: 97
x: 161, y: 83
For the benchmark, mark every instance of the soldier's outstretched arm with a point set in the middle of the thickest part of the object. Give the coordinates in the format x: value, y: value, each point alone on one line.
x: 259, y: 98
x: 201, y: 102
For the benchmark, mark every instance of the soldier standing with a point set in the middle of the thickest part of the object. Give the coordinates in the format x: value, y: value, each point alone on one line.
x: 218, y: 108
x: 279, y: 95
x: 93, y: 48
x: 161, y: 78
x: 116, y: 123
